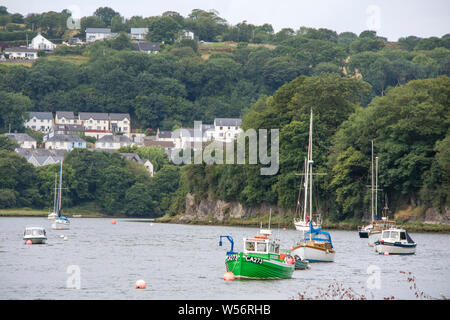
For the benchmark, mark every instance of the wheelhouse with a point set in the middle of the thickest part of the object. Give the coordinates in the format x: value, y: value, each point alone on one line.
x: 261, y: 245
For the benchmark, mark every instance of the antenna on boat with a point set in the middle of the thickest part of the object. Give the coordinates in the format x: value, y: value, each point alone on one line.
x: 270, y: 215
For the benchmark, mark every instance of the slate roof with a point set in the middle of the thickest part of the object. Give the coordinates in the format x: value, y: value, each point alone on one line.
x: 114, y: 138
x: 66, y: 137
x: 20, y: 136
x: 119, y: 116
x: 65, y: 114
x: 93, y: 115
x: 146, y: 46
x: 138, y: 30
x: 19, y: 49
x: 98, y: 30
x: 41, y: 115
x: 227, y: 122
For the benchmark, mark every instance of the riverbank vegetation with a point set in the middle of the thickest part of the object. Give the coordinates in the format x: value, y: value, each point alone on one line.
x: 360, y: 87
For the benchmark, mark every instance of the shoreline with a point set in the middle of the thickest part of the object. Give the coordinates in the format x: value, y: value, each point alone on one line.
x: 276, y: 222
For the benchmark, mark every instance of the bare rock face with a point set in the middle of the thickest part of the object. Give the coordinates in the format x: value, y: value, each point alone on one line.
x: 432, y: 216
x: 220, y: 210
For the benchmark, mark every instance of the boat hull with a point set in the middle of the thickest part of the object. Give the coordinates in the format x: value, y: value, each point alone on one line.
x: 395, y: 248
x: 60, y: 225
x: 313, y: 254
x: 374, y: 236
x: 301, y: 264
x: 364, y: 234
x: 257, y: 267
x: 35, y: 239
x: 52, y: 216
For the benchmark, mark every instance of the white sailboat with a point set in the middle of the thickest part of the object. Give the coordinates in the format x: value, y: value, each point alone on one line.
x: 61, y: 222
x: 379, y: 225
x: 53, y: 215
x: 316, y: 245
x: 302, y: 224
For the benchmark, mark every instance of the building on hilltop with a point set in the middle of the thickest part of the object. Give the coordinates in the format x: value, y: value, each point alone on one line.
x: 39, y: 121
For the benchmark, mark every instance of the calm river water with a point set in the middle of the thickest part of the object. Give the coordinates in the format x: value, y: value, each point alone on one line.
x: 185, y: 262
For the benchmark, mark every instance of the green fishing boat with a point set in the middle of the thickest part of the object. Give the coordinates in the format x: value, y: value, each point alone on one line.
x: 261, y: 259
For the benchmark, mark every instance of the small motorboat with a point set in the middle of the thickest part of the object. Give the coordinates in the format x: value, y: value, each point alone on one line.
x: 301, y: 264
x: 364, y: 231
x: 395, y: 241
x: 36, y: 235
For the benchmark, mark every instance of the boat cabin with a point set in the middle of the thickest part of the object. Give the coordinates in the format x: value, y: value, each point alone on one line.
x: 34, y: 231
x: 261, y: 244
x: 396, y: 235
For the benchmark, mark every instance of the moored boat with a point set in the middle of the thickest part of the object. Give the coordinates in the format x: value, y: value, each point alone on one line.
x: 36, y: 235
x: 260, y: 259
x: 60, y: 222
x: 364, y: 231
x: 395, y: 241
x: 315, y: 247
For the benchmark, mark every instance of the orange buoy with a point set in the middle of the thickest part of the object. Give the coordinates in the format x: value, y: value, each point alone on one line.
x: 29, y: 242
x: 113, y: 222
x: 290, y: 260
x: 228, y: 276
x: 284, y: 229
x: 140, y: 284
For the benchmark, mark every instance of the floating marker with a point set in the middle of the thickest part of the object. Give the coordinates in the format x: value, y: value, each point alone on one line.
x: 29, y: 242
x: 284, y: 229
x: 228, y: 276
x: 140, y: 284
x: 386, y: 253
x: 113, y: 222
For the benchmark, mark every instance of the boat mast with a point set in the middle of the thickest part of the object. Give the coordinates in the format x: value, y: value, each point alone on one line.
x: 376, y: 185
x: 371, y: 207
x: 310, y: 162
x: 60, y: 190
x: 54, y: 199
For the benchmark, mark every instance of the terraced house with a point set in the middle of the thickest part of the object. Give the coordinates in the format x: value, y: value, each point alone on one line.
x: 39, y: 121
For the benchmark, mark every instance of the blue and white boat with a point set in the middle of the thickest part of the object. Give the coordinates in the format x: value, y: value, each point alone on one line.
x: 395, y: 241
x: 315, y: 247
x: 60, y: 222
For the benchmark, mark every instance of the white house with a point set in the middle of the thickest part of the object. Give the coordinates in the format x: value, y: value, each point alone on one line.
x: 186, y: 34
x: 24, y: 140
x: 113, y: 142
x: 120, y: 122
x: 65, y: 117
x: 21, y: 53
x: 41, y: 43
x: 65, y: 142
x: 226, y: 129
x: 138, y: 33
x: 40, y: 121
x: 95, y: 34
x: 96, y: 124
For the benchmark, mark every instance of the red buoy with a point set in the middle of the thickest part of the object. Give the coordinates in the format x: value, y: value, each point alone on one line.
x: 140, y: 284
x: 228, y: 276
x: 113, y: 222
x: 29, y: 242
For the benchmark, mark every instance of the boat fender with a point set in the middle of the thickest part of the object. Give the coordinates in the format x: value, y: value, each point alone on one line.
x: 282, y: 256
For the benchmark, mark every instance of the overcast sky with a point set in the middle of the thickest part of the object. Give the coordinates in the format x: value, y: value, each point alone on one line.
x: 390, y: 18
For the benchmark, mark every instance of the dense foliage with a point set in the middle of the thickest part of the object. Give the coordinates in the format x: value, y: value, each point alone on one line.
x: 361, y: 88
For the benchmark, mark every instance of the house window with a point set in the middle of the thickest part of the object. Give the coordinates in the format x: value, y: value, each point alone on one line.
x: 236, y: 128
x: 99, y: 128
x: 220, y: 128
x: 125, y: 121
x: 110, y: 144
x: 34, y: 120
x: 125, y: 129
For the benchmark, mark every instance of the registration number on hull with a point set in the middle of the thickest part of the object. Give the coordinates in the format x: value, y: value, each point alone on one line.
x: 253, y: 260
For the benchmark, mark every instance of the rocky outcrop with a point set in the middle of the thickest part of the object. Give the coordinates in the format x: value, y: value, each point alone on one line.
x: 432, y: 216
x: 221, y: 210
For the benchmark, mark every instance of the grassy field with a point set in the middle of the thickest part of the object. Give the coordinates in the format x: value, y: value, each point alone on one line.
x: 76, y: 59
x: 87, y: 210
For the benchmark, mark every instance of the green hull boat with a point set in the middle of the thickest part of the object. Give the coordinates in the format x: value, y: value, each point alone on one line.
x: 256, y: 266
